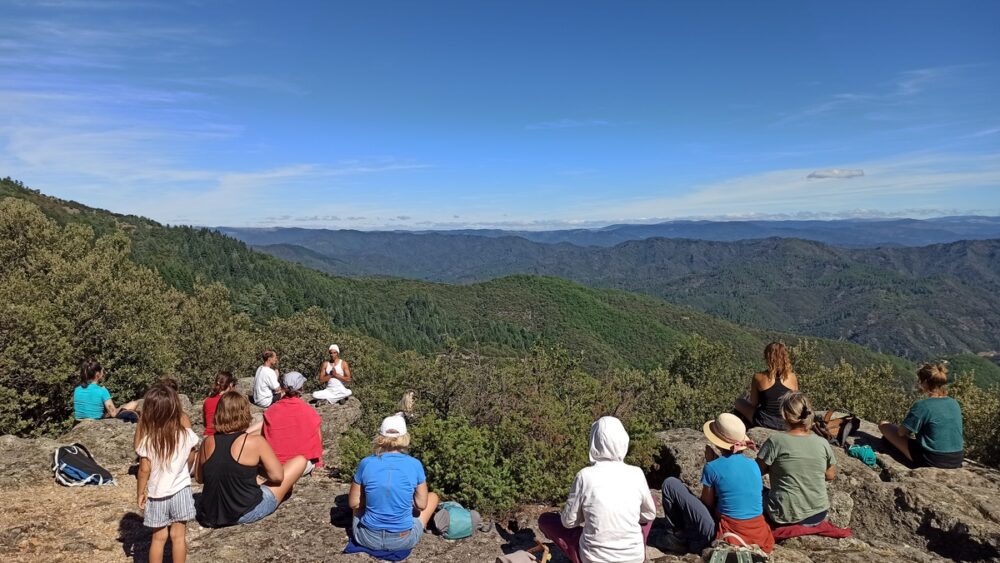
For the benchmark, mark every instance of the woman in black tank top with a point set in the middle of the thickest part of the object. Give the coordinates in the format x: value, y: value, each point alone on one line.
x: 231, y: 488
x: 767, y: 388
x: 228, y: 465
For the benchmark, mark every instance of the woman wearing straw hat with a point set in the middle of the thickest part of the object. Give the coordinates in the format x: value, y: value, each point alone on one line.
x: 731, y: 490
x: 335, y: 373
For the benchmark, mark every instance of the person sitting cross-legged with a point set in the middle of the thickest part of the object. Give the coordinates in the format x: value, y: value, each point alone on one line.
x: 931, y: 434
x: 800, y: 463
x: 228, y: 465
x: 389, y: 487
x: 609, y: 511
x: 730, y: 505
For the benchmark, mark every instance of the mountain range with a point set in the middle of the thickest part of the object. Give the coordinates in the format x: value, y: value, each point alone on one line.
x: 502, y: 317
x: 916, y: 302
x: 840, y: 232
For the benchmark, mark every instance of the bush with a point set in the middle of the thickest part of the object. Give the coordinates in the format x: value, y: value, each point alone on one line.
x: 981, y: 411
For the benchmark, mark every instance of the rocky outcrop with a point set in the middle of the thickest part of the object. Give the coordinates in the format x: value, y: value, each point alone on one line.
x: 897, y: 513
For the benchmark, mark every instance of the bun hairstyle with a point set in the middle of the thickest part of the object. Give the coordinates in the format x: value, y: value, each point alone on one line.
x: 89, y: 369
x: 933, y: 376
x: 778, y: 362
x: 267, y: 355
x: 223, y: 380
x: 796, y: 409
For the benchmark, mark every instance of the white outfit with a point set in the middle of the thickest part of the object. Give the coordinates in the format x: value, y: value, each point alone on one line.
x: 335, y: 389
x: 265, y: 385
x: 609, y: 499
x: 167, y: 477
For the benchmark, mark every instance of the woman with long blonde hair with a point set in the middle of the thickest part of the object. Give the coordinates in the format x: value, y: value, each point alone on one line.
x: 763, y: 408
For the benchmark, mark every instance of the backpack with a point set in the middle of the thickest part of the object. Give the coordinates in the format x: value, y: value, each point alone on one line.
x: 454, y: 521
x: 74, y: 467
x: 836, y: 430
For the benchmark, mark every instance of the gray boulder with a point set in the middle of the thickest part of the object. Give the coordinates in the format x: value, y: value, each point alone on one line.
x: 24, y: 460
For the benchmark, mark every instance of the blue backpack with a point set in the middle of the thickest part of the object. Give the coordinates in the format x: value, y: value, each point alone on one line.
x: 75, y: 467
x: 453, y: 521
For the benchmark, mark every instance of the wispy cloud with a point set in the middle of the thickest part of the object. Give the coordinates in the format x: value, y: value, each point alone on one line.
x: 842, y: 173
x: 902, y: 88
x: 886, y: 183
x: 567, y: 123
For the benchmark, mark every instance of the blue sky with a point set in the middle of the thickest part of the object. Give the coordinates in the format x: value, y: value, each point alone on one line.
x: 513, y: 114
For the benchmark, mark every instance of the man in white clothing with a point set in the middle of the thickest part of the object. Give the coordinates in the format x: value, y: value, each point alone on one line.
x: 610, y: 509
x: 266, y: 388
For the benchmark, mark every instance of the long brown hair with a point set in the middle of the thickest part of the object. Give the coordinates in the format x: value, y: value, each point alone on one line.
x: 223, y: 380
x: 778, y: 362
x: 160, y: 423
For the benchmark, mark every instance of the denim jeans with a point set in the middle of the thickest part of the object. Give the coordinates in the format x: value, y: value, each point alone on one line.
x: 388, y: 541
x: 267, y: 505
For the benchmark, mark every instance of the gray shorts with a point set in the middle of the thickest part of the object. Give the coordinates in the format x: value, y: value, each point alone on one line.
x: 178, y: 507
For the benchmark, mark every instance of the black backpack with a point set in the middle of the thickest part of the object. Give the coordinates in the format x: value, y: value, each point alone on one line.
x: 75, y: 467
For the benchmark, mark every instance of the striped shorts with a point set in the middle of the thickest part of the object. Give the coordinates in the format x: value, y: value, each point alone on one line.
x: 178, y: 507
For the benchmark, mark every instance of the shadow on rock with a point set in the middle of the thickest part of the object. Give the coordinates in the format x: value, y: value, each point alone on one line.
x: 341, y: 515
x: 134, y: 537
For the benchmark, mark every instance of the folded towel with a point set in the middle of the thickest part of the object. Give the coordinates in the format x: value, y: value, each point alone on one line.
x: 824, y: 528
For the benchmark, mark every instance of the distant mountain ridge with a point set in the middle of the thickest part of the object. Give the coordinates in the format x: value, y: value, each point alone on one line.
x: 911, y: 301
x: 861, y: 233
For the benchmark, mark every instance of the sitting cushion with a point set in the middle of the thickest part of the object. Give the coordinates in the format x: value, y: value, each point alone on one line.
x: 377, y: 553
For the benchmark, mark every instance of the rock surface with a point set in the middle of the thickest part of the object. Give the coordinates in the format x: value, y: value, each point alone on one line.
x: 898, y: 514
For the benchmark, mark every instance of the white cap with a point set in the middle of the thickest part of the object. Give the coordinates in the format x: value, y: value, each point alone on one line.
x: 393, y: 426
x: 335, y: 348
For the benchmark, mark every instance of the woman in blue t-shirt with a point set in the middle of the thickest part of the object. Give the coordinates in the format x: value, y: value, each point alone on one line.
x: 92, y: 400
x: 931, y: 434
x: 730, y: 503
x: 389, y: 486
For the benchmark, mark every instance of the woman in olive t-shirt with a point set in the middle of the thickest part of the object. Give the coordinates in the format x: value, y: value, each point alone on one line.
x: 800, y: 463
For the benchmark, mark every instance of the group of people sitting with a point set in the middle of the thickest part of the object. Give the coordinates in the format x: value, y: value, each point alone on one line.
x: 248, y: 469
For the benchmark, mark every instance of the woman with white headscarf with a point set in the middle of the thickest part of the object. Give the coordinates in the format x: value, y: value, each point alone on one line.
x: 610, y: 509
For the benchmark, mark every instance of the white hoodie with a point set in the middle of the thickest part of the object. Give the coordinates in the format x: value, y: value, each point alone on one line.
x: 609, y: 499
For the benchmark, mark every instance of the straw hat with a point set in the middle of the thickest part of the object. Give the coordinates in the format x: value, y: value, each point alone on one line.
x: 728, y: 432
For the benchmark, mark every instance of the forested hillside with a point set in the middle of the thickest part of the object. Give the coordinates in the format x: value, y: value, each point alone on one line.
x: 502, y: 317
x: 513, y: 371
x: 919, y: 302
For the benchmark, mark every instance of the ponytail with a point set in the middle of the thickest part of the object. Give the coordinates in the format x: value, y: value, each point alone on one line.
x: 89, y: 369
x: 223, y: 380
x: 796, y: 409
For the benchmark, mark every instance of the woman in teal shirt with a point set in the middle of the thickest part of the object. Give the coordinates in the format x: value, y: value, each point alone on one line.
x: 92, y: 400
x: 931, y: 433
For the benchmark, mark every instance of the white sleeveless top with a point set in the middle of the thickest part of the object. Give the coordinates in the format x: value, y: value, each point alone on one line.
x: 330, y: 368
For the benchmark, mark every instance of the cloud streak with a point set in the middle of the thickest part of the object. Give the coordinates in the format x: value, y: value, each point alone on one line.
x: 567, y: 123
x: 841, y: 173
